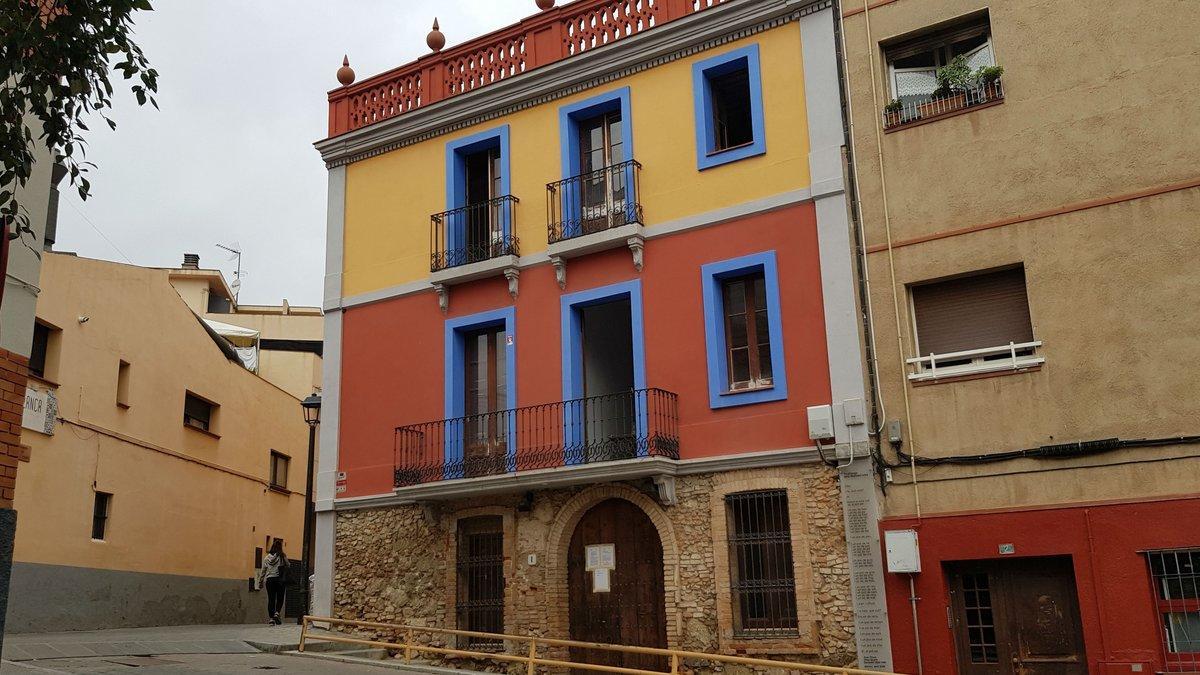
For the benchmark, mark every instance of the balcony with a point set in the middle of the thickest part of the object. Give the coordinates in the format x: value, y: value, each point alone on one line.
x: 595, y: 211
x: 473, y: 242
x: 583, y: 440
x: 911, y: 113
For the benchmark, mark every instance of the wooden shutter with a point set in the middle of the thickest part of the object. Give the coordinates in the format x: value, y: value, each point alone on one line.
x: 975, y: 312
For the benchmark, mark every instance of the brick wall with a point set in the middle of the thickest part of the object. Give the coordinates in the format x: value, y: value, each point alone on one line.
x: 14, y: 372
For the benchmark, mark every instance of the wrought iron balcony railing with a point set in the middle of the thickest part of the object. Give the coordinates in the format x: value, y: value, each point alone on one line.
x: 927, y: 108
x: 473, y: 233
x: 594, y: 201
x: 624, y: 426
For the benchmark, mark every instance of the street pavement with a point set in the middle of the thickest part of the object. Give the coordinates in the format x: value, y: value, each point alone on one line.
x: 169, y: 649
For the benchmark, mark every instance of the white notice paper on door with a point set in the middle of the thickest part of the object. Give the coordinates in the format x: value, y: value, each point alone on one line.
x: 601, y: 581
x: 600, y: 556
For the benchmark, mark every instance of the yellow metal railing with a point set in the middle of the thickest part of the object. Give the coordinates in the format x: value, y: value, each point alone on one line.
x: 529, y: 656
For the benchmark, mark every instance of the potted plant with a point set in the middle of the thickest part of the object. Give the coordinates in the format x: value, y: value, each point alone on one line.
x: 892, y: 113
x: 987, y: 78
x: 954, y: 79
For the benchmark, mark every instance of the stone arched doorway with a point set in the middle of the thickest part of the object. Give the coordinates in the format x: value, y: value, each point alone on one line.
x: 562, y: 531
x: 615, y: 585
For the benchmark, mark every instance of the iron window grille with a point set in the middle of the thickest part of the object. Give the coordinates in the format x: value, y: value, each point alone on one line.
x: 761, y: 574
x: 1176, y: 577
x: 980, y: 618
x: 480, y: 571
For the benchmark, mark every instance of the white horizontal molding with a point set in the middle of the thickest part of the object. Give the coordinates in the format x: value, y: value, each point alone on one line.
x: 583, y: 474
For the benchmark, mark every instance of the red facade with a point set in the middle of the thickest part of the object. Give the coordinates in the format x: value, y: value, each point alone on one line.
x: 393, y: 367
x: 1106, y: 544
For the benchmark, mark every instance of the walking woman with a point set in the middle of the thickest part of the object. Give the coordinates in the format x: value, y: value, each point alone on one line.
x: 273, y: 575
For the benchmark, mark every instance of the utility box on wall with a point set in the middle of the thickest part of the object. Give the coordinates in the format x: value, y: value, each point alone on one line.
x: 903, y: 553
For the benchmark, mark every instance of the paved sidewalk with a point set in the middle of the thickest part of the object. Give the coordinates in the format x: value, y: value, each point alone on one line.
x: 157, y: 641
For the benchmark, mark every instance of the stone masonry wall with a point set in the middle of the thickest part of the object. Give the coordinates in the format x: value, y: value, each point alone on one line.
x: 396, y: 564
x: 14, y: 373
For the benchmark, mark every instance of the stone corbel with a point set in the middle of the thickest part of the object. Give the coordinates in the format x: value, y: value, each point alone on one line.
x: 443, y: 293
x: 666, y: 489
x: 636, y: 244
x: 560, y: 271
x: 512, y: 274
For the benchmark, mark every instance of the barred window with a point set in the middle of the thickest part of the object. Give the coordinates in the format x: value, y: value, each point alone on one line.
x: 761, y: 575
x: 1176, y: 575
x: 480, y: 568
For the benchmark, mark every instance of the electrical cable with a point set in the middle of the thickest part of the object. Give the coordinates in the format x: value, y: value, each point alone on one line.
x: 1054, y: 451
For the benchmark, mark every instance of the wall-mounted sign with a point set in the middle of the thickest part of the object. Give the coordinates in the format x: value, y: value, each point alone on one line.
x: 41, y: 409
x: 601, y: 581
x: 508, y: 339
x: 601, y: 557
x: 1008, y: 549
x: 341, y: 488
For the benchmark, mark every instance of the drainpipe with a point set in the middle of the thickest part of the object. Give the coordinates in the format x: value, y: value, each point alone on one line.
x: 912, y: 599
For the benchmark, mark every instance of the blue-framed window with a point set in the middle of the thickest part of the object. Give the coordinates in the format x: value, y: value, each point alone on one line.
x: 477, y: 171
x: 573, y: 389
x: 729, y: 107
x: 458, y: 332
x: 614, y: 104
x: 743, y: 331
x: 598, y: 177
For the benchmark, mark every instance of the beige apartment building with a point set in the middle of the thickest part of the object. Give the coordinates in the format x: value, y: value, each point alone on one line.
x: 282, y: 343
x: 1029, y: 243
x: 159, y: 467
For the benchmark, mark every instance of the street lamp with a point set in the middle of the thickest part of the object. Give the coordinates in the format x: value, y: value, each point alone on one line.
x: 312, y: 415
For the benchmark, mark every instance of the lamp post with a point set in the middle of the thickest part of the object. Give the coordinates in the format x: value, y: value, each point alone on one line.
x: 312, y: 415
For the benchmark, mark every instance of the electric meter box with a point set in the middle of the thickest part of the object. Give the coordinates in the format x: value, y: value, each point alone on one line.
x: 903, y: 553
x: 820, y: 422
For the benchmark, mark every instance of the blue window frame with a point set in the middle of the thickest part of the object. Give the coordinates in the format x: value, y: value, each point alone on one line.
x: 457, y: 152
x: 712, y: 277
x: 569, y: 117
x: 455, y: 392
x: 572, y: 350
x: 704, y: 74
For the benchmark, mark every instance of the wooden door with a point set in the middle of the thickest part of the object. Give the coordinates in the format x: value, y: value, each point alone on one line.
x: 485, y: 426
x: 1017, y: 617
x: 633, y: 611
x: 601, y: 148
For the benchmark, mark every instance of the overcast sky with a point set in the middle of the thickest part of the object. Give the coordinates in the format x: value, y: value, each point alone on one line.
x: 229, y: 156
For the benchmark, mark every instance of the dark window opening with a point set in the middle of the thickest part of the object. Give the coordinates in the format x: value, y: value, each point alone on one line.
x: 40, y: 349
x: 279, y: 469
x: 198, y: 413
x: 480, y: 572
x: 486, y: 398
x: 747, y: 332
x: 732, y: 119
x: 913, y: 61
x: 123, y: 384
x: 484, y: 229
x: 762, y: 579
x: 100, y: 515
x: 218, y: 304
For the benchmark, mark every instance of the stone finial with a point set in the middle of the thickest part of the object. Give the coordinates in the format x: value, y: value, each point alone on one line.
x: 436, y: 40
x: 345, y: 74
x: 545, y: 4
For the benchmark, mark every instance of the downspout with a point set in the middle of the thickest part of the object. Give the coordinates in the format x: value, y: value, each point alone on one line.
x: 887, y: 226
x: 854, y: 199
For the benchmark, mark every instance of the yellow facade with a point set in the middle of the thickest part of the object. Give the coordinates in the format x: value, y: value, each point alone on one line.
x: 386, y: 246
x: 185, y: 502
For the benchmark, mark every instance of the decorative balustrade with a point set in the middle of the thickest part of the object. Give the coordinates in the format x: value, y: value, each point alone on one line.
x: 624, y: 426
x: 593, y: 202
x: 473, y: 233
x: 544, y: 38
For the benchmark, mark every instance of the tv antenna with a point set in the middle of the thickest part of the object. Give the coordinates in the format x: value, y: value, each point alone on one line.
x: 235, y: 252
